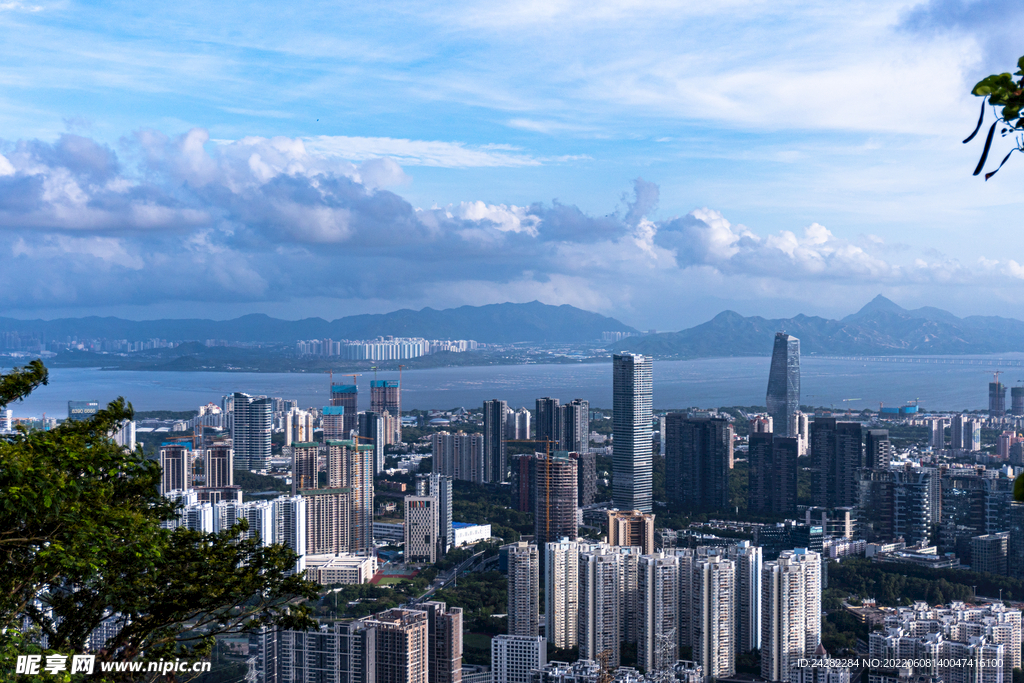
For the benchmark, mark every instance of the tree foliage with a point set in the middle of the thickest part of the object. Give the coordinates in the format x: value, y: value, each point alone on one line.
x: 81, y: 540
x: 1001, y: 90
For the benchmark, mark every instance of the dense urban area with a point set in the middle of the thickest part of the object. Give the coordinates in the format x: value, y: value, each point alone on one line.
x: 569, y: 542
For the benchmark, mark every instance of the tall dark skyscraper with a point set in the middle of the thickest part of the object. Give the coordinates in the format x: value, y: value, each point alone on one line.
x: 346, y: 396
x: 251, y: 430
x: 697, y: 455
x: 495, y: 448
x: 632, y: 460
x: 996, y: 399
x: 772, y: 474
x: 548, y: 423
x: 575, y: 420
x: 1017, y: 401
x: 784, y: 382
x: 877, y: 449
x: 836, y: 454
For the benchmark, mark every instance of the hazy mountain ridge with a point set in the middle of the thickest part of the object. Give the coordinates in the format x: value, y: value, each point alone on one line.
x: 493, y: 323
x: 880, y: 328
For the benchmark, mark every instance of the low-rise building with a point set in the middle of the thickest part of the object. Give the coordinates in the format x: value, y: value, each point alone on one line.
x: 340, y: 568
x: 468, y: 534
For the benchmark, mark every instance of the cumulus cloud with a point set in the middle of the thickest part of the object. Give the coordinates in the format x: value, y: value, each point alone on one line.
x: 258, y: 220
x: 995, y: 24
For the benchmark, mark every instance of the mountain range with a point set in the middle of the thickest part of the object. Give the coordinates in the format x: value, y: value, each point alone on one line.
x: 494, y: 323
x: 880, y: 328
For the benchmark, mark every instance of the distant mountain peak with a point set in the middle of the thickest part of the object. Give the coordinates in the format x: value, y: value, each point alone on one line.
x: 879, y: 304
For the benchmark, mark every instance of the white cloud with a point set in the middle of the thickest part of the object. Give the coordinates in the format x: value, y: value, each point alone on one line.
x: 416, y: 152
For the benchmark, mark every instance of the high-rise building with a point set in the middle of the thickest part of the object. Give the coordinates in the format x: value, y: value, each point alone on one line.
x: 600, y: 600
x: 632, y: 459
x: 252, y: 423
x: 495, y: 448
x: 575, y: 424
x: 372, y: 433
x: 790, y: 611
x: 698, y: 453
x: 937, y: 438
x: 218, y: 466
x: 421, y: 529
x: 996, y: 399
x: 549, y: 423
x: 772, y: 473
x: 176, y: 465
x: 332, y: 419
x: 513, y: 658
x: 305, y: 466
x: 439, y: 486
x: 298, y: 426
x: 877, y: 449
x: 836, y: 455
x: 746, y: 558
x: 799, y: 428
x: 712, y: 616
x: 989, y: 553
x: 1017, y: 401
x: 586, y: 471
x: 386, y: 396
x: 555, y: 497
x: 444, y: 642
x: 402, y: 648
x: 658, y: 633
x: 783, y: 398
x: 346, y: 396
x: 459, y: 455
x: 561, y: 593
x: 523, y: 588
x: 631, y: 528
x: 290, y: 527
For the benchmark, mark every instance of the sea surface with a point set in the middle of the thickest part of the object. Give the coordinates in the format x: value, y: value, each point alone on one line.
x: 946, y: 383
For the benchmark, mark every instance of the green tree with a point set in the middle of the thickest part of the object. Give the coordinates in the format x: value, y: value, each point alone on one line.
x: 1001, y: 90
x: 81, y: 539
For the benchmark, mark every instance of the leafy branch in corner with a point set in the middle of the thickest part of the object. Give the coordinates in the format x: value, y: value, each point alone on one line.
x: 1000, y: 90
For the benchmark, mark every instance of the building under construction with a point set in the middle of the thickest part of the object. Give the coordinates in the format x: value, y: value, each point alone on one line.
x: 554, y: 496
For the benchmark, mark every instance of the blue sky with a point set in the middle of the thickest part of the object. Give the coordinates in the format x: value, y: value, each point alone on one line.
x: 654, y: 161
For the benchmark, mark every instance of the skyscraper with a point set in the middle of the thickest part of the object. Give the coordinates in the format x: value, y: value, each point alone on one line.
x: 439, y: 486
x: 996, y: 399
x: 712, y: 617
x: 631, y: 528
x: 402, y: 651
x: 836, y: 455
x: 523, y: 588
x: 548, y: 423
x: 459, y: 455
x: 444, y: 641
x: 495, y: 448
x: 877, y: 449
x: 251, y: 429
x: 790, y: 611
x: 386, y: 396
x: 555, y: 497
x: 1017, y: 401
x: 421, y: 529
x: 575, y: 422
x: 346, y: 396
x: 784, y: 382
x: 561, y: 592
x: 747, y: 611
x: 632, y: 459
x: 218, y: 466
x: 772, y: 474
x: 372, y: 433
x: 698, y: 452
x: 175, y: 462
x: 600, y: 576
x: 658, y: 587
